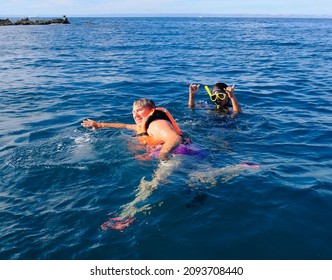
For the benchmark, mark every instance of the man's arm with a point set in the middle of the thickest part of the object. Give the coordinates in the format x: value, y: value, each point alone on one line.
x: 192, y: 91
x: 236, y: 106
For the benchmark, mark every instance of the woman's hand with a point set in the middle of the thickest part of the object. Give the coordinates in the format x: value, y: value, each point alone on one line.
x: 91, y: 123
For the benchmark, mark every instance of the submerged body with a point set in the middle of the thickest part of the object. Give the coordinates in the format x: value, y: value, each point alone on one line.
x: 157, y: 130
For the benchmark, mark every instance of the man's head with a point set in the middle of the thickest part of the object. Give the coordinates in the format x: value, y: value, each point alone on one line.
x: 219, y: 95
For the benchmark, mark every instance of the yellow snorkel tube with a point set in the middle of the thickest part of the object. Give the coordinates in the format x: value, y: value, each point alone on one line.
x: 208, y: 91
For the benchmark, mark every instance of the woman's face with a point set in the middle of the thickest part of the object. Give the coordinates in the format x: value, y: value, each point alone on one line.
x: 140, y: 113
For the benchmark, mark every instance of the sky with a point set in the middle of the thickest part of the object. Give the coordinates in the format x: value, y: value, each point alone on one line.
x: 69, y: 8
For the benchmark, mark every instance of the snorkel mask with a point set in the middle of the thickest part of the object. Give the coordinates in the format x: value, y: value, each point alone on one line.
x: 217, y: 96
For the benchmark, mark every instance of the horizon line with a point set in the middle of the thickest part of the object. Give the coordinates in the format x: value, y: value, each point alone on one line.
x: 179, y: 15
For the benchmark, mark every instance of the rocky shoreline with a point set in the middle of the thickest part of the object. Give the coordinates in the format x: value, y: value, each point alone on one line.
x: 27, y: 21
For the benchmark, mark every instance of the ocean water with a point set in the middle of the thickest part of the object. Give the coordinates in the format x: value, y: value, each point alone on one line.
x: 60, y: 182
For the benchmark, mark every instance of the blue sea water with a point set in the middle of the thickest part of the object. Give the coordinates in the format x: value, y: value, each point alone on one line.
x: 59, y: 181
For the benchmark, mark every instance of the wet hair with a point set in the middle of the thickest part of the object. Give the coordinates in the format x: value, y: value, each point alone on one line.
x: 145, y: 103
x: 219, y: 86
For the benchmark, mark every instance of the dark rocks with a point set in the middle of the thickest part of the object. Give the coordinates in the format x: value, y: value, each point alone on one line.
x: 4, y: 22
x: 27, y: 21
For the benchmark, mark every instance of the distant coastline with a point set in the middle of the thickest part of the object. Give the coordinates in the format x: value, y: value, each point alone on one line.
x: 27, y: 21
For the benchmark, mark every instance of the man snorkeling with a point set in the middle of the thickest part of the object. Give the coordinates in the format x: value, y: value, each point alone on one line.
x: 222, y: 96
x: 155, y: 127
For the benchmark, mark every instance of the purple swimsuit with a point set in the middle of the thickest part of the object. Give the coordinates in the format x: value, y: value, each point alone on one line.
x: 183, y: 149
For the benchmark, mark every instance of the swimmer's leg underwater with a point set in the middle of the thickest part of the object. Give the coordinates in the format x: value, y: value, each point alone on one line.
x: 210, y: 175
x: 144, y: 190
